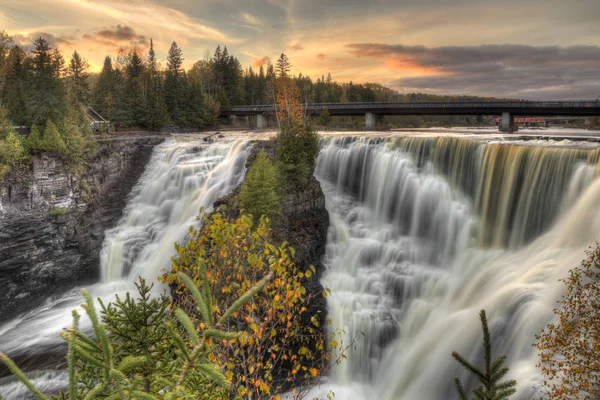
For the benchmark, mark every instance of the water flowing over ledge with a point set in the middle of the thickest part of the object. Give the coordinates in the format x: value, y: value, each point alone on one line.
x: 425, y: 232
x: 179, y: 180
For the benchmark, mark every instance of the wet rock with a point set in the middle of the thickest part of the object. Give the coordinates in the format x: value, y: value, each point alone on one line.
x: 41, y: 254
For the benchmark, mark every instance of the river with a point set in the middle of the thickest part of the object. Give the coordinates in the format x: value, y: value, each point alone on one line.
x: 427, y: 228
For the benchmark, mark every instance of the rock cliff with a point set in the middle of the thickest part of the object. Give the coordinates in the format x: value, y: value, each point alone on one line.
x: 42, y: 254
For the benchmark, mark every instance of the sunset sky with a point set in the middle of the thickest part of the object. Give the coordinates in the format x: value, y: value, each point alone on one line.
x: 519, y: 48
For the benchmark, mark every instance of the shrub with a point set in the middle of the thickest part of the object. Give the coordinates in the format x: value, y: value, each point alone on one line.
x: 140, y: 351
x: 279, y: 345
x: 12, y: 152
x: 324, y: 117
x: 52, y: 141
x: 259, y: 192
x: 297, y: 148
x: 56, y: 211
x: 569, y: 348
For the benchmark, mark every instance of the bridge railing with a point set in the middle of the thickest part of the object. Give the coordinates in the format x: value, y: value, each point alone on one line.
x: 438, y: 104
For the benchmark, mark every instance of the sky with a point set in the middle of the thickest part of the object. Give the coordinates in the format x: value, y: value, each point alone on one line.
x: 530, y: 49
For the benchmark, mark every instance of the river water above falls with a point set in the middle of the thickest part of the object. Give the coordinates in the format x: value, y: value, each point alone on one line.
x: 426, y: 232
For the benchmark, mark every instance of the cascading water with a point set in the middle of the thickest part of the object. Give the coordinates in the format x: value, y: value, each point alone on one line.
x: 426, y: 232
x: 179, y: 180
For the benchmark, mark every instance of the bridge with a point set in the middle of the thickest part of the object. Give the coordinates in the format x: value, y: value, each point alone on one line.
x: 507, y: 109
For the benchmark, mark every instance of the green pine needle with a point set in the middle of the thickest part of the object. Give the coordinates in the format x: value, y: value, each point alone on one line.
x: 16, y: 371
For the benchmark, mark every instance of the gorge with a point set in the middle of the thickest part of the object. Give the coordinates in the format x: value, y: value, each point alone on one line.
x: 424, y: 232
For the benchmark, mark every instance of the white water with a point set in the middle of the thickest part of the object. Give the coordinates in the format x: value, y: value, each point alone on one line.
x: 179, y: 179
x: 408, y: 271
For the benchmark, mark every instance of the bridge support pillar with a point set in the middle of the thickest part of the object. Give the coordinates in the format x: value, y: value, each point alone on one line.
x: 235, y: 121
x: 370, y: 120
x: 507, y: 123
x: 261, y: 121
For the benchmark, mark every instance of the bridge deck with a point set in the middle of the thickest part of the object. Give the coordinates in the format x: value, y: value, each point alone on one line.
x: 522, y: 108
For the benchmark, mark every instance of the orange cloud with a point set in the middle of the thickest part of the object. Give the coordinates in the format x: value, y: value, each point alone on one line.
x: 411, y: 59
x: 260, y: 61
x: 296, y: 47
x: 402, y: 64
x: 321, y: 56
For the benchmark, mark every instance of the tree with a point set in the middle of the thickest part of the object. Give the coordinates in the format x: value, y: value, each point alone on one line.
x: 491, y: 387
x: 14, y: 95
x: 324, y: 117
x: 174, y: 88
x: 288, y: 103
x: 12, y: 152
x: 52, y: 140
x: 139, y: 351
x: 297, y: 148
x: 570, y: 347
x: 259, y: 192
x: 283, y: 66
x: 104, y: 93
x: 78, y: 79
x: 46, y: 94
x: 211, y: 109
x: 225, y: 257
x: 135, y: 93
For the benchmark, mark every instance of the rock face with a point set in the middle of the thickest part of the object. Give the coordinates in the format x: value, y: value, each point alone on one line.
x: 41, y: 254
x: 304, y: 226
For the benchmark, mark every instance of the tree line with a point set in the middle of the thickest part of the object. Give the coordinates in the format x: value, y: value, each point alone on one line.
x: 135, y: 91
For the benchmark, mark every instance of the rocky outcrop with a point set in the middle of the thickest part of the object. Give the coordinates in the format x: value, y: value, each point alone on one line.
x: 42, y: 254
x: 304, y: 226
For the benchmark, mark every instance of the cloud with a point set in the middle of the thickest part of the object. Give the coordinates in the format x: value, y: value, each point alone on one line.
x: 521, y: 71
x: 296, y: 47
x: 116, y: 38
x: 321, y: 56
x: 260, y: 61
x: 26, y: 40
x: 120, y: 33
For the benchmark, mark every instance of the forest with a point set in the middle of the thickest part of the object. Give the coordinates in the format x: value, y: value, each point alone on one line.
x: 135, y: 90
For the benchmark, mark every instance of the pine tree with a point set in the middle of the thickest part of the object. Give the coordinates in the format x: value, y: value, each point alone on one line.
x: 283, y: 66
x: 46, y: 95
x: 141, y: 351
x: 135, y: 94
x: 174, y: 90
x: 52, y: 140
x: 259, y: 192
x: 14, y: 94
x: 78, y: 79
x: 490, y: 377
x: 103, y: 99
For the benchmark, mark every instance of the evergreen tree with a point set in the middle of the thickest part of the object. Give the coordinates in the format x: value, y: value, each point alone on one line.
x: 104, y: 92
x: 78, y: 79
x: 47, y: 96
x: 490, y: 377
x: 297, y: 148
x: 157, y: 113
x: 283, y: 66
x: 258, y: 195
x: 52, y: 140
x: 135, y: 94
x: 15, y: 93
x: 174, y: 90
x: 58, y: 64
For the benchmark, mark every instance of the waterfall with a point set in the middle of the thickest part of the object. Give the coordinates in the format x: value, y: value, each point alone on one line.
x: 179, y: 180
x: 425, y: 232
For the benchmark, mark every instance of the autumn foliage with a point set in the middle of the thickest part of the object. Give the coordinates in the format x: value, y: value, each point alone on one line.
x: 570, y: 347
x: 278, y: 350
x: 289, y: 105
